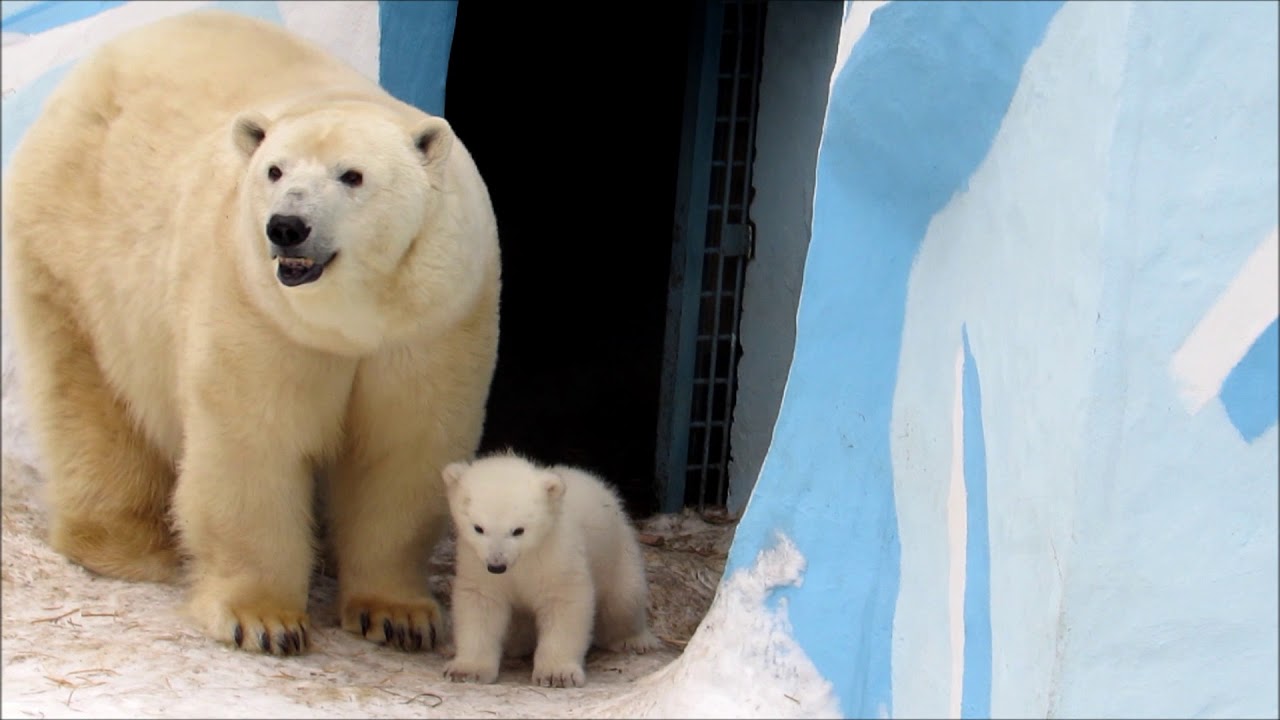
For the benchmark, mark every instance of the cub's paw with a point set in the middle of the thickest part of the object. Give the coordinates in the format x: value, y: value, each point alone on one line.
x: 261, y: 628
x: 410, y: 625
x: 640, y: 643
x: 469, y: 671
x: 558, y: 674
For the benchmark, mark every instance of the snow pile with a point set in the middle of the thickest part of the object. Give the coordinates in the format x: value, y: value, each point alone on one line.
x: 742, y: 662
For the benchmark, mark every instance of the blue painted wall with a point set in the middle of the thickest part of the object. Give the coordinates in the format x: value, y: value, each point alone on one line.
x: 906, y: 126
x: 1028, y: 442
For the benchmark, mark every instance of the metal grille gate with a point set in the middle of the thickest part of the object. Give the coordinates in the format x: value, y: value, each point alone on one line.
x: 713, y: 242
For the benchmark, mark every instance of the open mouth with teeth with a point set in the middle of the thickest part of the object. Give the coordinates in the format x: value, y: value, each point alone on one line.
x: 294, y: 271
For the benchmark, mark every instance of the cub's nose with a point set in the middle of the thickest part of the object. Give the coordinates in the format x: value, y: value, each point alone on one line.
x: 497, y: 569
x: 287, y: 230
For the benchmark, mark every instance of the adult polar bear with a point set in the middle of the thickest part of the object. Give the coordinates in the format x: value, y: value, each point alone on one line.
x: 233, y: 264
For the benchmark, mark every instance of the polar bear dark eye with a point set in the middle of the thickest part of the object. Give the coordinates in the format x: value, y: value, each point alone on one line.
x: 517, y: 532
x: 352, y: 178
x: 478, y: 529
x: 273, y: 173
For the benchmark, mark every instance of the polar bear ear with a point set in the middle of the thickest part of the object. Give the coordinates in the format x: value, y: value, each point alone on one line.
x: 452, y: 473
x: 434, y: 139
x: 248, y: 131
x: 554, y: 485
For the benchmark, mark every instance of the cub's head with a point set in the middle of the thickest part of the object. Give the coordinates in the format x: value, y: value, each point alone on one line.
x: 333, y: 198
x: 502, y: 506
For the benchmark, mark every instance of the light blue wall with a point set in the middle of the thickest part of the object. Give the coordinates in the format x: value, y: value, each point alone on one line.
x: 989, y: 448
x: 906, y: 125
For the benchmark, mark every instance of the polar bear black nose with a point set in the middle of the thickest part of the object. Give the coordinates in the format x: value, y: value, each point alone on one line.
x: 287, y: 230
x: 497, y: 569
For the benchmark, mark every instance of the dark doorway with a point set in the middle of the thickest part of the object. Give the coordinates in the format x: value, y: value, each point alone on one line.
x: 573, y: 115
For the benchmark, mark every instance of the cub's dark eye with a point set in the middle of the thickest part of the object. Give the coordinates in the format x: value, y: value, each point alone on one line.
x: 273, y: 173
x: 517, y: 532
x: 352, y: 178
x: 479, y: 530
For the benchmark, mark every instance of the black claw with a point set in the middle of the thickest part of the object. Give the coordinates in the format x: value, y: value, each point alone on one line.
x: 304, y: 641
x: 433, y: 636
x: 265, y: 641
x: 387, y: 631
x: 364, y: 623
x: 295, y: 644
x: 239, y: 635
x: 415, y: 636
x: 402, y: 638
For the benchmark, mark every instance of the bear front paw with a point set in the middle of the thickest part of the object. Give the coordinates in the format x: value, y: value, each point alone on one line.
x: 257, y: 621
x: 470, y: 671
x: 563, y: 674
x: 410, y: 625
x: 268, y: 630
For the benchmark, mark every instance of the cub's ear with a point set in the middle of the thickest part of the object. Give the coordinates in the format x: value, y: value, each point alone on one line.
x: 434, y: 139
x: 248, y: 131
x: 452, y: 473
x: 553, y: 484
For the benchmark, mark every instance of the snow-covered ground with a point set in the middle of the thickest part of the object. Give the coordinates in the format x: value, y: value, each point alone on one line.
x: 79, y: 645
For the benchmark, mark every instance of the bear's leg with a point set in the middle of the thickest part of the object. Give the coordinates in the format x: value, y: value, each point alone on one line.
x: 256, y: 423
x: 108, y: 488
x: 479, y: 625
x: 408, y: 417
x: 622, y: 618
x: 245, y: 519
x: 564, y: 633
x: 382, y: 532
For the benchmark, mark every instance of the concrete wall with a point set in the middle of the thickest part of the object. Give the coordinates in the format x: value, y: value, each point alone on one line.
x: 799, y: 49
x: 1027, y: 448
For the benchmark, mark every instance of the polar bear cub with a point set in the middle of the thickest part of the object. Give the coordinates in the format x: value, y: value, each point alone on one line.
x: 549, y: 548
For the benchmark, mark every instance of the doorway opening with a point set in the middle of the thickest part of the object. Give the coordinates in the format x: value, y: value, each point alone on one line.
x: 575, y: 124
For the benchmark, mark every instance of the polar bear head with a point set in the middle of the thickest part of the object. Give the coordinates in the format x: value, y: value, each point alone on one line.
x: 503, y: 506
x: 344, y: 207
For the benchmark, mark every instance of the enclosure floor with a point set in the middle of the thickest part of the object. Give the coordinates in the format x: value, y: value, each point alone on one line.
x: 79, y: 645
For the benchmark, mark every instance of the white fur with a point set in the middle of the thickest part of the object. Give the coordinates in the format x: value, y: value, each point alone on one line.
x: 571, y: 570
x: 171, y: 376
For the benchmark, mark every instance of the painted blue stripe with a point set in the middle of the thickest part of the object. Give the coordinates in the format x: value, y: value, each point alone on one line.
x: 36, y: 17
x: 9, y: 8
x: 975, y: 702
x: 414, y: 50
x: 1251, y: 392
x: 912, y: 113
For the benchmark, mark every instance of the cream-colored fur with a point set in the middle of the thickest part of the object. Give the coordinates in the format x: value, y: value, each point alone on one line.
x: 545, y: 553
x: 184, y: 398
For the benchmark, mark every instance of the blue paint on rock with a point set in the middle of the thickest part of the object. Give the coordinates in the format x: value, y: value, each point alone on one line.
x: 912, y: 113
x: 1251, y: 393
x: 975, y: 699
